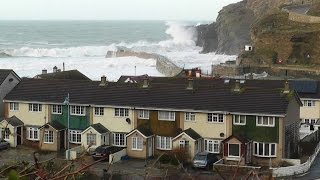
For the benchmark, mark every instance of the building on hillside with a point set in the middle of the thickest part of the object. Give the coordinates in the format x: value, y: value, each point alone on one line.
x: 156, y: 115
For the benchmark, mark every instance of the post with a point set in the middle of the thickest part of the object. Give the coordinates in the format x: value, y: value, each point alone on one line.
x: 67, y: 102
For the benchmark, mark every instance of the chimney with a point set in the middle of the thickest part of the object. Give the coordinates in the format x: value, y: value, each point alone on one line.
x: 55, y: 69
x: 190, y: 84
x: 286, y: 89
x: 145, y: 82
x: 63, y: 69
x: 103, y: 81
x: 44, y: 71
x: 237, y: 86
x: 251, y: 76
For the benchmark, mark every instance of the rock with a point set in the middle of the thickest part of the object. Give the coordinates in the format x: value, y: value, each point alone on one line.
x: 4, y: 55
x: 207, y: 37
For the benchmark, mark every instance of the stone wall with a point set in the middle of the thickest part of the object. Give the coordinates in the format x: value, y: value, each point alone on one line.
x: 163, y: 65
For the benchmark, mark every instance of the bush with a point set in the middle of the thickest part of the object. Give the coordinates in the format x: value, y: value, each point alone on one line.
x: 175, y: 156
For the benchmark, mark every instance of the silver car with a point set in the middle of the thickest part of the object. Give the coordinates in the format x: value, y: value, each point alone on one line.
x: 4, y: 144
x: 204, y: 160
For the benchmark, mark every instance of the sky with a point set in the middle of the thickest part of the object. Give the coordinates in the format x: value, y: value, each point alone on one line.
x: 111, y: 9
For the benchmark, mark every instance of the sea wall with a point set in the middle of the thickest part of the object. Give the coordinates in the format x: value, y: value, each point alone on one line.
x: 164, y: 65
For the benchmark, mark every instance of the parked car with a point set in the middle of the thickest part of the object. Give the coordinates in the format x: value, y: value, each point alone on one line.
x: 103, y: 151
x: 4, y: 144
x: 204, y: 160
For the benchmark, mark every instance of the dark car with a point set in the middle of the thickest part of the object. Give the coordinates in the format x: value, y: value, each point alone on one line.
x: 4, y: 144
x: 204, y: 160
x: 104, y: 151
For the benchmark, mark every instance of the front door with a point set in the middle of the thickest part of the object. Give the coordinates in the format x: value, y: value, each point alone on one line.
x: 19, y: 135
x: 150, y: 147
x: 62, y: 140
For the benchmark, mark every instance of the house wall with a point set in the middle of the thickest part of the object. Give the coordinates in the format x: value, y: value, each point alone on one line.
x: 310, y: 112
x: 76, y: 122
x: 115, y: 124
x: 206, y: 129
x: 30, y: 118
x: 226, y: 152
x: 191, y: 150
x: 12, y: 139
x: 5, y: 88
x: 84, y: 138
x: 137, y: 153
x: 160, y: 127
x: 49, y: 146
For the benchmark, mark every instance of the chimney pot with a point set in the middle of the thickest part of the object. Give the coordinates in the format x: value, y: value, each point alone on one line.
x: 44, y: 71
x: 55, y: 69
x: 145, y: 82
x: 237, y: 86
x: 286, y: 89
x: 103, y: 81
x: 190, y: 84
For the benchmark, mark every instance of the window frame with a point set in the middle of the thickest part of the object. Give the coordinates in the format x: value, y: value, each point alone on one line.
x: 56, y: 107
x: 143, y: 114
x: 74, y: 134
x: 232, y: 156
x: 14, y: 106
x: 256, y: 150
x: 262, y: 121
x: 35, y: 131
x: 99, y: 111
x: 162, y: 143
x: 237, y: 117
x: 74, y: 110
x: 5, y: 133
x: 171, y: 116
x: 214, y: 143
x: 91, y: 135
x: 184, y: 144
x: 215, y: 118
x: 34, y: 107
x: 121, y: 112
x: 137, y: 143
x: 190, y: 116
x: 309, y: 103
x: 118, y: 142
x: 47, y: 136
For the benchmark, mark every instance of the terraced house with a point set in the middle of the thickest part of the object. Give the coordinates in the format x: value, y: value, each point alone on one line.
x: 154, y: 115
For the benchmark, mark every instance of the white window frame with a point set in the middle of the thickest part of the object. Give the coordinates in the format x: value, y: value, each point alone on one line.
x: 215, y: 145
x: 309, y: 103
x: 98, y: 111
x: 190, y: 116
x: 56, y: 109
x: 263, y: 150
x: 229, y: 150
x: 121, y: 112
x: 183, y: 144
x: 310, y: 121
x: 117, y: 139
x: 237, y: 120
x: 78, y: 110
x: 35, y: 107
x: 215, y: 118
x: 143, y: 114
x: 166, y: 115
x: 137, y: 144
x: 48, y: 137
x: 74, y: 136
x: 269, y: 124
x: 14, y: 106
x: 91, y: 139
x: 5, y: 133
x: 164, y: 143
x: 32, y: 132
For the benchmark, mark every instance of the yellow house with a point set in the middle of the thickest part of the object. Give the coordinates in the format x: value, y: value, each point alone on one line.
x: 52, y: 136
x: 140, y: 143
x: 11, y: 131
x: 310, y: 110
x: 94, y: 136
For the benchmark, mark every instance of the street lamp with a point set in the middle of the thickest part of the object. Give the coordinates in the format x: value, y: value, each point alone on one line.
x: 67, y: 102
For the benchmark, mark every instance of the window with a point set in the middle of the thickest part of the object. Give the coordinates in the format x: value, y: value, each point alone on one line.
x: 309, y: 103
x: 166, y: 115
x: 48, y: 136
x: 239, y: 120
x: 121, y: 112
x: 164, y: 143
x: 119, y: 139
x: 75, y: 136
x: 212, y: 146
x: 262, y: 149
x: 216, y: 118
x: 137, y: 143
x: 5, y: 133
x: 190, y: 116
x: 234, y: 150
x: 32, y: 133
x: 310, y: 121
x: 143, y: 114
x: 183, y: 144
x: 56, y: 109
x: 35, y: 107
x: 14, y: 106
x: 99, y: 111
x: 91, y: 139
x: 265, y: 121
x: 78, y: 110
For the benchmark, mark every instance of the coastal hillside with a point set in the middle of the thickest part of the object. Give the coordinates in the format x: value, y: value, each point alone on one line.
x: 235, y: 24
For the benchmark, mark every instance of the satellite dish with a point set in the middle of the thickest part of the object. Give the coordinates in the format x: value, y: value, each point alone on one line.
x: 128, y: 120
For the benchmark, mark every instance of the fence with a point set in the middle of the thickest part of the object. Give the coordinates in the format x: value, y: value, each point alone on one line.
x: 297, y: 169
x: 115, y: 157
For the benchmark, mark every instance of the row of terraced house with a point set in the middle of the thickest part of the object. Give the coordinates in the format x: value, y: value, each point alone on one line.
x: 251, y: 121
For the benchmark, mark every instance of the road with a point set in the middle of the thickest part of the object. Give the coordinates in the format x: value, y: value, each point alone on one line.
x: 314, y: 172
x: 302, y: 9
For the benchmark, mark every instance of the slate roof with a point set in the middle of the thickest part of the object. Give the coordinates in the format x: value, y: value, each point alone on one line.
x: 193, y: 134
x: 99, y: 128
x: 210, y: 95
x: 145, y: 131
x: 72, y: 74
x: 55, y: 125
x: 14, y: 121
x: 4, y: 74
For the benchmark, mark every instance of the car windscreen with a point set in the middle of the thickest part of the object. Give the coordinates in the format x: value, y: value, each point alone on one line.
x: 201, y: 157
x: 100, y: 150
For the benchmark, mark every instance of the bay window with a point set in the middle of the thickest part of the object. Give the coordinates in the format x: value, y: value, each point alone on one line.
x: 263, y: 149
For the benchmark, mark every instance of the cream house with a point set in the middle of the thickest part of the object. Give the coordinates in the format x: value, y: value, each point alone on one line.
x: 11, y: 131
x: 95, y: 135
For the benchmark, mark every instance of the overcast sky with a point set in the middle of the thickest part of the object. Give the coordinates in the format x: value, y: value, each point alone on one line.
x: 111, y: 9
